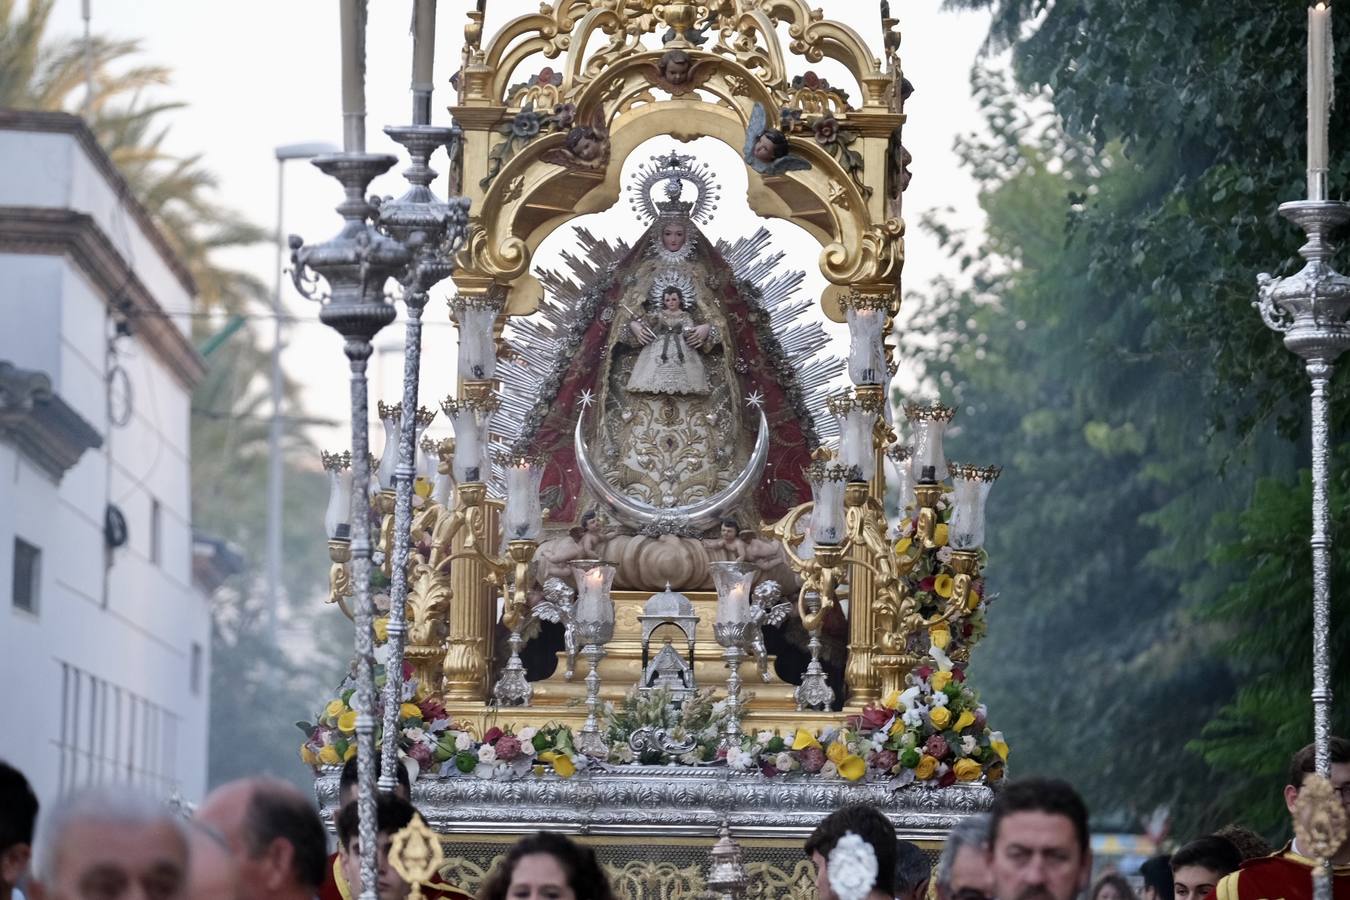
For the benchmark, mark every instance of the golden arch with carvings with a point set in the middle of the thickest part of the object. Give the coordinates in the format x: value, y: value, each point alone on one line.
x: 608, y: 54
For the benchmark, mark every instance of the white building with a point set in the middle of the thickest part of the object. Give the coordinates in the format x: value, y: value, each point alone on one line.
x: 104, y: 641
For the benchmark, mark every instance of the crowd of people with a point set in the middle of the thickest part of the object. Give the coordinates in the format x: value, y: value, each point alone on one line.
x: 262, y: 839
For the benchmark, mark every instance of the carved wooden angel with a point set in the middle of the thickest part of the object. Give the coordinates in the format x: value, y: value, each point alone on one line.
x: 768, y: 608
x: 556, y: 607
x: 677, y: 72
x: 766, y: 149
x: 586, y: 145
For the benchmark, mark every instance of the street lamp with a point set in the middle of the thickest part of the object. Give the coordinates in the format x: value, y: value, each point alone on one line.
x: 274, y: 470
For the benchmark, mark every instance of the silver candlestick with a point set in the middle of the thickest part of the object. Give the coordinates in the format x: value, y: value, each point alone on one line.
x: 814, y: 692
x: 1310, y: 308
x: 735, y: 627
x: 431, y: 230
x: 594, y: 627
x: 356, y: 264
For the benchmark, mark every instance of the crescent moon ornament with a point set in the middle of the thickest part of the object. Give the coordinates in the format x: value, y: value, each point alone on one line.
x: 689, y: 518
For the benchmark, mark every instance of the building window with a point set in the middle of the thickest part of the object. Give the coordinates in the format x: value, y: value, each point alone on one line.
x: 156, y: 531
x: 27, y: 575
x: 195, y: 673
x: 109, y: 734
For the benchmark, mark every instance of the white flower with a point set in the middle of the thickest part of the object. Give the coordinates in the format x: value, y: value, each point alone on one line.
x: 581, y: 761
x: 852, y: 868
x: 910, y: 696
x: 908, y: 740
x: 438, y: 725
x: 484, y: 771
x: 527, y: 733
x: 381, y: 654
x: 416, y: 735
x: 967, y: 744
x: 463, y: 740
x: 879, y: 739
x: 689, y: 759
x: 913, y: 717
x: 940, y: 698
x: 621, y: 753
x: 943, y: 660
x: 907, y: 527
x: 995, y: 736
x: 487, y: 753
x: 739, y: 759
x: 763, y: 737
x: 829, y: 770
x: 719, y: 708
x: 784, y: 762
x: 944, y: 554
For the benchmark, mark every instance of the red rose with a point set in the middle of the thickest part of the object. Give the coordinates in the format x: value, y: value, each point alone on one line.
x: 768, y: 770
x: 876, y: 716
x: 432, y: 710
x: 927, y: 583
x: 958, y: 674
x: 924, y: 672
x: 492, y: 734
x: 948, y: 778
x: 936, y: 746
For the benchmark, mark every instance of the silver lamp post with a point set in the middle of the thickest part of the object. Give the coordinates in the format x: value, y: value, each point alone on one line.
x: 431, y: 230
x: 356, y: 264
x: 275, y: 472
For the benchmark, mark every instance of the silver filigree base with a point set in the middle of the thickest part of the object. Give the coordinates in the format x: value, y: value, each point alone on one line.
x: 814, y: 692
x: 512, y: 688
x: 590, y: 740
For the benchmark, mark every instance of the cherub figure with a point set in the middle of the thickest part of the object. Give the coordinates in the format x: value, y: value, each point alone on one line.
x: 592, y: 536
x: 728, y: 540
x: 586, y: 145
x: 677, y: 72
x: 767, y: 150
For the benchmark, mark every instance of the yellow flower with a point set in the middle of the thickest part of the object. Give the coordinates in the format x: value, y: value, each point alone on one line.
x: 892, y: 698
x: 1001, y: 748
x: 347, y: 721
x: 972, y: 600
x: 942, y: 586
x: 940, y: 680
x: 964, y: 721
x: 852, y: 767
x: 562, y: 764
x: 382, y: 628
x: 350, y: 754
x: 940, y: 535
x: 328, y: 755
x: 307, y: 756
x: 548, y: 756
x: 837, y: 752
x: 940, y: 715
x: 334, y: 709
x: 422, y: 487
x: 926, y: 767
x: 804, y: 739
x: 898, y: 728
x: 966, y: 770
x: 409, y: 711
x: 902, y: 546
x: 940, y: 634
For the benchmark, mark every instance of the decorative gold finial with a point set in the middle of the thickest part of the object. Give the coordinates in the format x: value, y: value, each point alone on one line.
x: 415, y: 853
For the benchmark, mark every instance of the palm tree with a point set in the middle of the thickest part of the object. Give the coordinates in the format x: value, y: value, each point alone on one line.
x: 229, y: 433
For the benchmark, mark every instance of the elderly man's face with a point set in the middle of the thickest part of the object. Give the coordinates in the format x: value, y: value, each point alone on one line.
x: 118, y: 861
x: 971, y: 877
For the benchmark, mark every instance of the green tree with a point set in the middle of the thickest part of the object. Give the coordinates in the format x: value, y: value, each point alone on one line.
x: 1121, y: 372
x: 260, y: 683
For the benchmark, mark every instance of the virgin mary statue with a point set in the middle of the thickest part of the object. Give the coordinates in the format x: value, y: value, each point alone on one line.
x: 652, y: 375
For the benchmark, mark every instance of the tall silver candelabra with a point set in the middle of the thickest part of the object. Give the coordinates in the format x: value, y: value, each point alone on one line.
x: 356, y: 264
x: 1310, y: 308
x: 593, y: 625
x: 431, y: 230
x: 814, y: 692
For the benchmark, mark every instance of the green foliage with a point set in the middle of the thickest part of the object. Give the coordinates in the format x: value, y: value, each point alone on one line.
x: 1152, y: 638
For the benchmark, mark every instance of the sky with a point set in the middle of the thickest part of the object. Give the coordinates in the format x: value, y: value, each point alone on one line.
x: 257, y: 74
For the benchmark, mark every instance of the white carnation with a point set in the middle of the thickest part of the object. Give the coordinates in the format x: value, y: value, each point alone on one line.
x: 463, y: 740
x: 852, y: 868
x: 968, y: 744
x: 527, y: 734
x: 784, y: 762
x: 487, y: 753
x: 829, y: 770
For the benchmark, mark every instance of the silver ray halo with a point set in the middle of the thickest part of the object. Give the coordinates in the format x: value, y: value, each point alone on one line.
x: 691, y: 518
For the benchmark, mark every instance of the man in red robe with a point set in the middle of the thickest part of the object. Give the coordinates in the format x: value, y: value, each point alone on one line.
x: 1287, y: 873
x: 335, y: 886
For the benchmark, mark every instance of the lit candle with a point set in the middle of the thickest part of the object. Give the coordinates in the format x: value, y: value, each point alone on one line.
x: 353, y: 22
x: 1319, y: 97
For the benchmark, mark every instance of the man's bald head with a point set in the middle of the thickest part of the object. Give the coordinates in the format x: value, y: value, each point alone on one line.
x: 274, y: 834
